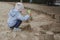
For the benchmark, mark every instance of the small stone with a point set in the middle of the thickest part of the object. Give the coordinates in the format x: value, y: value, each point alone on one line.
x: 57, y: 37
x: 37, y: 34
x: 50, y: 33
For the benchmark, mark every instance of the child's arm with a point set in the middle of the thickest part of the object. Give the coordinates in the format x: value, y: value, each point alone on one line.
x: 23, y: 18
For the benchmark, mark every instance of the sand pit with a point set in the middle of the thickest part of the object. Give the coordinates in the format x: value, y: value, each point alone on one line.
x: 36, y: 31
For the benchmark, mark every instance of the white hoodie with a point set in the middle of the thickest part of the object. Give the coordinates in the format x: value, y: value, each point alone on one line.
x: 13, y: 15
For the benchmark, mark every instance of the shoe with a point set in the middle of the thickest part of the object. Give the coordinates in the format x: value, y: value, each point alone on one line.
x: 16, y: 29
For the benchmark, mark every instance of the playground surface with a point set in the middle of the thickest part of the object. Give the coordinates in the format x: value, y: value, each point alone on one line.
x: 42, y: 27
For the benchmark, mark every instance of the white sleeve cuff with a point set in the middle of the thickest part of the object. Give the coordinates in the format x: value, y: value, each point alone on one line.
x: 27, y: 17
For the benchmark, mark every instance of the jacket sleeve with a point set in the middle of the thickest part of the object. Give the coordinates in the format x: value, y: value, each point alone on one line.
x: 23, y: 18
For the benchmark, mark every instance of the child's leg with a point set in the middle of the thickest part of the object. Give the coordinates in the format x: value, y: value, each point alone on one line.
x: 18, y: 23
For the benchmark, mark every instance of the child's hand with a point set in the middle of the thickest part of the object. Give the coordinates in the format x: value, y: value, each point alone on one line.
x: 29, y: 12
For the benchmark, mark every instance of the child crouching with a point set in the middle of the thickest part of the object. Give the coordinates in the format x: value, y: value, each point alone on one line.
x: 15, y: 17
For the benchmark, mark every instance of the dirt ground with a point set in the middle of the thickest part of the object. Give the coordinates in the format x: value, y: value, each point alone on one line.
x: 41, y: 27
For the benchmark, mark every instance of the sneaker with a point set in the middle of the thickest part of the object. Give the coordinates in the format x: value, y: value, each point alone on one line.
x: 17, y: 29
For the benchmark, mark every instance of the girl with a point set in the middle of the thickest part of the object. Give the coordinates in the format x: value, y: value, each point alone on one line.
x: 15, y: 17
